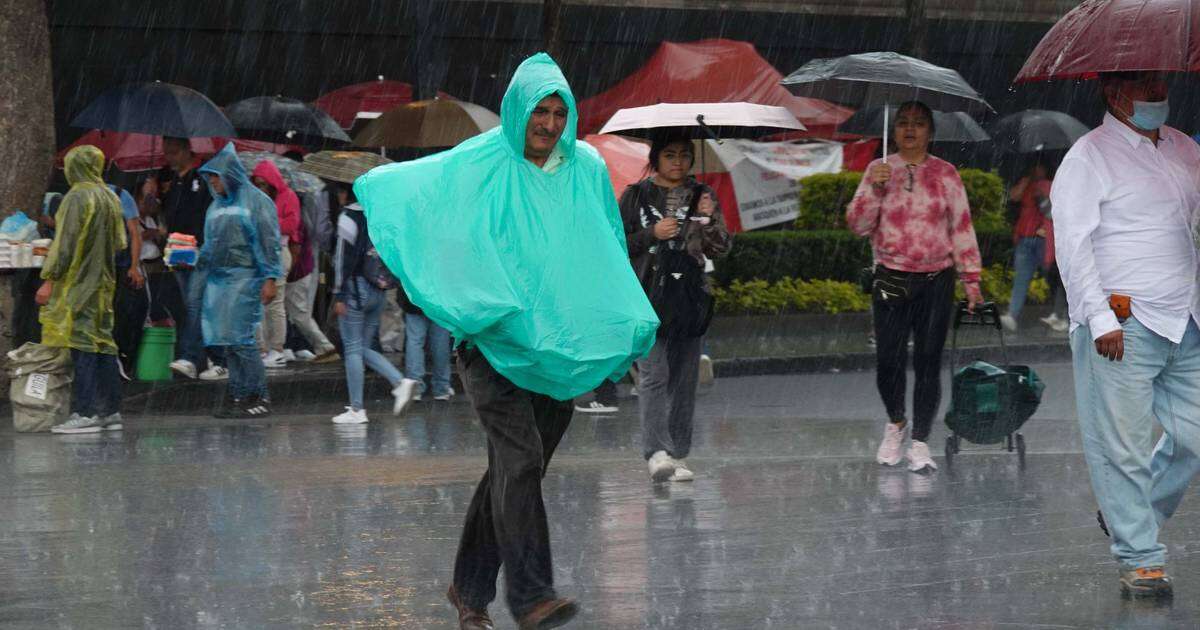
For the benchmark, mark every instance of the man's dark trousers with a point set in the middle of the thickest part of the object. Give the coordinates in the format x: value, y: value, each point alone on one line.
x: 506, y: 522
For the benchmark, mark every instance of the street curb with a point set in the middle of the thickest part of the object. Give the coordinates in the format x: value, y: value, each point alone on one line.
x: 861, y: 361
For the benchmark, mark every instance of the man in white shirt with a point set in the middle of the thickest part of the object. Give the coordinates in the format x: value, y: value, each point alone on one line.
x: 1125, y: 204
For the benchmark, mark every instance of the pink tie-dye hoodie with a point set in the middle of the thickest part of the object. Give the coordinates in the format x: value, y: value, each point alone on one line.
x: 920, y: 221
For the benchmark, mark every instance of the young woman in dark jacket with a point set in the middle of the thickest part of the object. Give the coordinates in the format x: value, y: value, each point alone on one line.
x: 670, y: 210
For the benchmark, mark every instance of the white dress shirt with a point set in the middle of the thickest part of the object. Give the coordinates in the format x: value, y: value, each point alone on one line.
x: 1124, y: 217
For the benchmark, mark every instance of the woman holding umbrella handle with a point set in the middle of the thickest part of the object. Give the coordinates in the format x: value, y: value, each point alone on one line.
x: 914, y: 208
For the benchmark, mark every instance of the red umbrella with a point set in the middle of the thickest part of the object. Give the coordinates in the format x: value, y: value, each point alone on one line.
x: 141, y: 152
x: 378, y: 96
x: 1118, y: 35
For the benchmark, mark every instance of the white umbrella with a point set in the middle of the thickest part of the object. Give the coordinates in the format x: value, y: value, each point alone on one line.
x: 740, y: 120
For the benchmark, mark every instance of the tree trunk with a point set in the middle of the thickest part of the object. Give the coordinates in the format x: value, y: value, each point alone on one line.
x: 26, y: 127
x: 552, y: 27
x: 918, y: 29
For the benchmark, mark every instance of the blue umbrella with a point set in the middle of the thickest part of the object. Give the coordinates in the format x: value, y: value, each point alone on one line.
x: 160, y: 109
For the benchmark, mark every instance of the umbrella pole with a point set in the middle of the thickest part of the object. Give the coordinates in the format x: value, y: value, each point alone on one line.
x: 885, y: 131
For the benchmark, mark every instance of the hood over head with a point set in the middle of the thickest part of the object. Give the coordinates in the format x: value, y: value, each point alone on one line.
x: 225, y: 165
x: 84, y: 164
x: 267, y: 170
x: 536, y: 78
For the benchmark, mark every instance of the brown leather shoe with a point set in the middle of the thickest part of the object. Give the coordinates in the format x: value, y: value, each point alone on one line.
x: 551, y: 613
x: 469, y: 618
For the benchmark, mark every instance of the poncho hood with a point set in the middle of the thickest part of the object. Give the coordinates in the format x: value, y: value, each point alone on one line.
x: 84, y: 164
x: 267, y: 170
x: 233, y: 176
x: 527, y: 265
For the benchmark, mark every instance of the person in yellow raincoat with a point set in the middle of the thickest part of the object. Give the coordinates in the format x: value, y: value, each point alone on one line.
x: 77, y: 295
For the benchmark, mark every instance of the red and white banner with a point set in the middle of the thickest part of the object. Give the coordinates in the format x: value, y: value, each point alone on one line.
x: 764, y: 175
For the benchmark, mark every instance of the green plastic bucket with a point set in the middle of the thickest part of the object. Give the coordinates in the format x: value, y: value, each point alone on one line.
x: 155, y: 354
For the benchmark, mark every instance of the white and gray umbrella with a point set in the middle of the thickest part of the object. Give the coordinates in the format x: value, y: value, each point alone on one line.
x: 1035, y: 130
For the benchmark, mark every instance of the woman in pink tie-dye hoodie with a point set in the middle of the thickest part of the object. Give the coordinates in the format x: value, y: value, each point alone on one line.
x: 914, y: 208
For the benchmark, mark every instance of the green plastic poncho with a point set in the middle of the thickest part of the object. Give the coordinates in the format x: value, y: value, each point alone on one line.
x: 88, y: 234
x: 240, y: 252
x: 530, y: 266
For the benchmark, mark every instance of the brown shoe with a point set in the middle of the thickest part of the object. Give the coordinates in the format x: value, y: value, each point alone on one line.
x: 469, y: 618
x: 551, y: 613
x: 329, y: 356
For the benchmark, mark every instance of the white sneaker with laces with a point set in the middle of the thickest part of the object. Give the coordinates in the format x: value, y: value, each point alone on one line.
x: 288, y: 355
x: 112, y: 423
x: 919, y: 458
x: 682, y: 472
x: 77, y: 424
x: 351, y: 416
x: 661, y: 466
x: 214, y: 373
x: 184, y: 368
x: 596, y: 406
x: 1009, y: 323
x: 274, y: 359
x: 403, y: 393
x: 305, y: 356
x: 445, y: 397
x: 891, y: 449
x: 1056, y: 324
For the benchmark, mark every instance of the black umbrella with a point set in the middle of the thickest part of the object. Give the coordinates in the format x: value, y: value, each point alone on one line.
x: 948, y: 126
x: 885, y: 78
x: 1035, y: 130
x: 284, y: 120
x: 159, y: 109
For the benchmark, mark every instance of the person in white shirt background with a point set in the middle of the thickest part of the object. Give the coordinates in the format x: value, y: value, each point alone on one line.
x: 1124, y: 205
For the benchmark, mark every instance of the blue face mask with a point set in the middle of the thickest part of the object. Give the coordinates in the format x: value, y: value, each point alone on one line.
x: 1149, y: 116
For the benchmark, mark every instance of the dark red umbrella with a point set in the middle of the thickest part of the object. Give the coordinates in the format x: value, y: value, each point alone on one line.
x: 1118, y: 35
x: 376, y: 97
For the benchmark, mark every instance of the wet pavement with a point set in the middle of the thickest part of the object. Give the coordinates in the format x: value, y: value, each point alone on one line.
x: 189, y: 522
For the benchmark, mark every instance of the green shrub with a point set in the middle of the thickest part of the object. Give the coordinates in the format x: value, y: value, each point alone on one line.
x: 824, y: 196
x: 825, y: 254
x: 996, y: 282
x: 823, y: 199
x: 790, y: 295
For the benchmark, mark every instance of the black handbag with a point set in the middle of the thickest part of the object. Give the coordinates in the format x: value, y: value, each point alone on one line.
x: 678, y: 292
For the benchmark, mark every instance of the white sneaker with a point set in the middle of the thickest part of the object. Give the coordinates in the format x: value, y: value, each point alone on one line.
x: 706, y: 370
x: 184, y: 368
x: 214, y: 373
x: 919, y: 458
x: 288, y: 355
x: 445, y: 397
x: 305, y: 355
x: 1008, y: 322
x: 661, y: 466
x: 682, y: 472
x: 112, y: 423
x: 1056, y: 324
x: 596, y: 407
x: 891, y: 449
x: 77, y: 424
x: 274, y: 359
x: 351, y: 416
x: 403, y: 394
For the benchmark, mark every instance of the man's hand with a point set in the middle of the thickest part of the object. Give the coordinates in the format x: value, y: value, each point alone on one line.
x: 666, y: 229
x: 43, y: 294
x: 340, y: 309
x: 880, y: 174
x: 707, y: 206
x: 268, y: 291
x: 136, y: 280
x: 1112, y: 345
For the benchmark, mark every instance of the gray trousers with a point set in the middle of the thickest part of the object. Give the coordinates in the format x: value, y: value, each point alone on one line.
x: 667, y: 380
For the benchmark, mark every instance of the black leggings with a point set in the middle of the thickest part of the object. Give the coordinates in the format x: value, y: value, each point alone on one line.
x: 925, y: 314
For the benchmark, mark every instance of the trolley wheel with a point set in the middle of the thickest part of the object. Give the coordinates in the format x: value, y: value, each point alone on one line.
x: 951, y: 449
x: 1021, y: 448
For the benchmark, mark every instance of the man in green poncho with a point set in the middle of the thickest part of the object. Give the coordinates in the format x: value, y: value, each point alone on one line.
x: 77, y: 296
x: 513, y: 242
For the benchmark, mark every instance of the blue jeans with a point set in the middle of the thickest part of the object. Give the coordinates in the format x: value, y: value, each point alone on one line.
x: 1027, y: 258
x: 191, y: 340
x: 247, y: 376
x: 96, y: 391
x: 358, y: 327
x: 1137, y: 484
x: 418, y: 329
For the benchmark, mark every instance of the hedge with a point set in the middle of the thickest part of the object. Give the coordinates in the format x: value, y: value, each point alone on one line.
x: 821, y: 254
x: 793, y: 295
x: 824, y: 196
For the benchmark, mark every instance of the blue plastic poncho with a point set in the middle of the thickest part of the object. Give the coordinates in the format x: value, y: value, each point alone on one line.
x: 528, y: 265
x: 240, y: 252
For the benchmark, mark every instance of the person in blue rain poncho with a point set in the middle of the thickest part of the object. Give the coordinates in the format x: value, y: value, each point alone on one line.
x: 514, y: 243
x: 239, y: 263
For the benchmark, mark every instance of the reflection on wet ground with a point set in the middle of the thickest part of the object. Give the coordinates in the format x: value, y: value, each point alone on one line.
x: 186, y: 522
